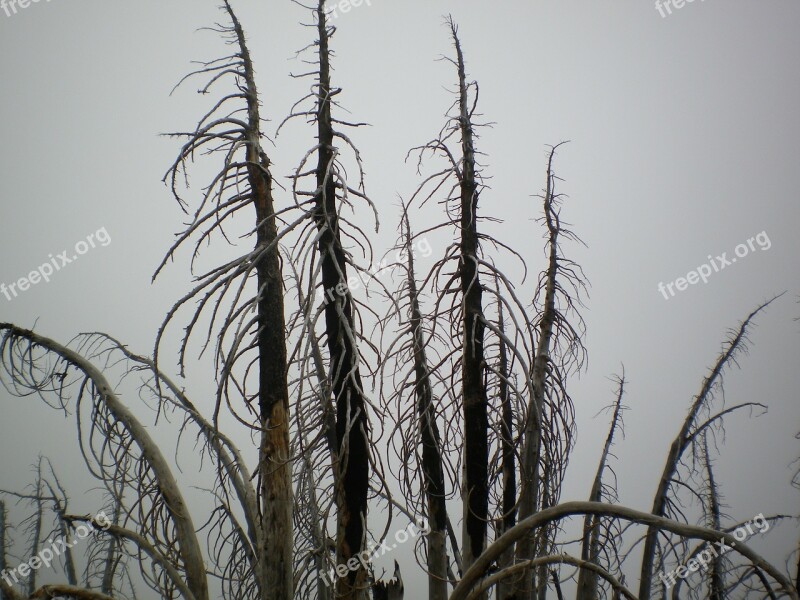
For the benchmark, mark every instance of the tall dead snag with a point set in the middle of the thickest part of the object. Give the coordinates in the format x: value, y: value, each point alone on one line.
x: 547, y: 433
x: 484, y: 342
x: 346, y: 384
x: 342, y: 328
x: 476, y: 410
x: 508, y: 459
x: 432, y: 467
x: 416, y: 412
x: 600, y: 536
x: 273, y: 391
x: 243, y: 181
x: 694, y: 425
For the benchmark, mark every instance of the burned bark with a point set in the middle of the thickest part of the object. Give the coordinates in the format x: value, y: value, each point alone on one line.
x: 475, y: 401
x: 432, y: 464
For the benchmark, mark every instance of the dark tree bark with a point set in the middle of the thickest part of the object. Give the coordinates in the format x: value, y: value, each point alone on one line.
x: 509, y: 456
x: 344, y: 371
x: 273, y: 390
x: 432, y: 465
x: 475, y: 402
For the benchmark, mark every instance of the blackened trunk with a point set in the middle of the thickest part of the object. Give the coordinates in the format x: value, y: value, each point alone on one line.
x: 347, y: 388
x: 432, y: 469
x: 476, y: 420
x: 273, y: 397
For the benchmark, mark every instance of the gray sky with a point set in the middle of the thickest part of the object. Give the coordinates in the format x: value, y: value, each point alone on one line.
x: 685, y: 141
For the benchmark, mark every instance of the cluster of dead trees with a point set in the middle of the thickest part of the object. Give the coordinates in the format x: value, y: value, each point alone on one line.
x: 463, y: 374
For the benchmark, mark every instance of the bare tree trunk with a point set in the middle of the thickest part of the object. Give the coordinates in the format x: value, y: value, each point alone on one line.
x: 346, y: 384
x: 274, y: 462
x: 686, y: 436
x: 590, y: 549
x: 475, y: 492
x: 529, y: 469
x: 717, y: 584
x: 274, y: 459
x: 37, y: 526
x: 432, y: 468
x: 69, y: 556
x: 557, y: 584
x: 509, y: 458
x: 109, y: 570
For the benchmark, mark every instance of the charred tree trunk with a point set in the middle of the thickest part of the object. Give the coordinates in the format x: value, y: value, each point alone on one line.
x: 476, y: 420
x: 273, y: 391
x: 509, y: 458
x: 432, y: 467
x: 346, y: 384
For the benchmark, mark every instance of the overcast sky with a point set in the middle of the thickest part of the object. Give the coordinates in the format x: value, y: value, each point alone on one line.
x: 684, y: 143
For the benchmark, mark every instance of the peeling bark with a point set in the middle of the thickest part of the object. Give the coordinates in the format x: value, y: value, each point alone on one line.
x: 274, y: 462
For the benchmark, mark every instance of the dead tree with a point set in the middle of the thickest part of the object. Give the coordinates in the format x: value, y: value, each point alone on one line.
x: 473, y: 384
x: 389, y: 590
x: 345, y: 370
x: 408, y: 393
x: 327, y: 267
x: 689, y: 437
x: 599, y: 544
x: 465, y: 587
